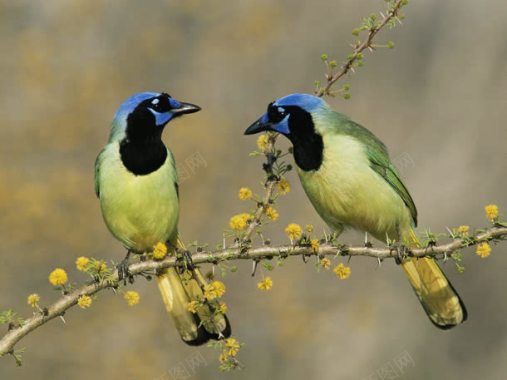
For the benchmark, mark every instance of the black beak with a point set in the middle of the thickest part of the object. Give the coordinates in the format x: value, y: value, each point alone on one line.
x: 258, y: 126
x: 185, y: 108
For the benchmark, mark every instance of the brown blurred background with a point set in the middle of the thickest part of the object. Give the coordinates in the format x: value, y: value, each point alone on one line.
x: 438, y: 101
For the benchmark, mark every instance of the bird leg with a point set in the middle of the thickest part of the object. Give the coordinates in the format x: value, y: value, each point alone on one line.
x: 186, y: 259
x: 367, y: 243
x: 400, y: 250
x: 123, y: 270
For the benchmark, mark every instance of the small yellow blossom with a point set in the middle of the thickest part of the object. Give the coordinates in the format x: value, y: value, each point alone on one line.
x: 84, y: 302
x: 222, y: 308
x: 491, y: 212
x: 315, y: 245
x: 239, y: 222
x: 58, y: 277
x: 284, y: 186
x: 342, y: 272
x: 325, y: 263
x: 293, y: 231
x: 483, y: 250
x: 309, y: 228
x: 209, y: 292
x: 232, y: 346
x: 132, y: 297
x: 463, y: 230
x: 223, y: 357
x: 82, y: 263
x: 272, y: 214
x: 265, y: 284
x: 245, y: 193
x: 100, y: 266
x: 214, y: 290
x: 192, y: 306
x: 33, y: 300
x: 159, y: 251
x: 219, y: 288
x: 262, y: 142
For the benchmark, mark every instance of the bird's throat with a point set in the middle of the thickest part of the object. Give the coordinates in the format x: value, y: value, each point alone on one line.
x: 309, y: 153
x: 308, y: 144
x: 142, y: 158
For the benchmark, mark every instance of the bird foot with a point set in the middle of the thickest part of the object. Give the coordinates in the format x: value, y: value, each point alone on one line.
x: 400, y: 250
x: 185, y: 257
x: 123, y: 270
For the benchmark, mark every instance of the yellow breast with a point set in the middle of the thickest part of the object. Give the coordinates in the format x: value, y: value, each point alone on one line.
x: 346, y: 192
x: 140, y: 210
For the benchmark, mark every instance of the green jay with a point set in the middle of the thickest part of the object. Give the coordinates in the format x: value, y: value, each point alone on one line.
x: 346, y: 173
x: 137, y: 185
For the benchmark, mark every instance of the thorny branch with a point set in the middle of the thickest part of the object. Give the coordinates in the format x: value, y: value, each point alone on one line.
x: 243, y: 249
x: 359, y: 47
x: 58, y: 308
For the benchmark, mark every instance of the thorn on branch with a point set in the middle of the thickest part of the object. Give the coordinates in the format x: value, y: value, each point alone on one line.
x: 255, y: 263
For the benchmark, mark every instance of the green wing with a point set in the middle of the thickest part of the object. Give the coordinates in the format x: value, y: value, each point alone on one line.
x: 379, y: 159
x: 381, y: 164
x: 98, y: 162
x: 176, y: 182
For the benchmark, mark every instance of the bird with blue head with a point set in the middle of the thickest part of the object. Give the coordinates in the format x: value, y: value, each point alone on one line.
x: 349, y: 178
x: 137, y: 185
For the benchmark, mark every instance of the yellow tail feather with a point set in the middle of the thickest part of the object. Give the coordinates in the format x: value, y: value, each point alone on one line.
x: 178, y: 288
x: 439, y: 299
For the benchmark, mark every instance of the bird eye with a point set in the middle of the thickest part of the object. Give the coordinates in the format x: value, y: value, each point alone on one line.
x: 160, y: 103
x: 275, y: 113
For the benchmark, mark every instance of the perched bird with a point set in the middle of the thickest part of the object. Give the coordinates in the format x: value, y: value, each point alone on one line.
x: 137, y: 184
x: 346, y: 173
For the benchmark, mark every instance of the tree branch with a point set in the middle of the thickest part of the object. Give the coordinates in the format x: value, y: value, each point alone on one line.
x: 269, y: 190
x: 359, y: 47
x: 65, y: 302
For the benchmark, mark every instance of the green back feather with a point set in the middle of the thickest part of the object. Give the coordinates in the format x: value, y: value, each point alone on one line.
x: 329, y: 121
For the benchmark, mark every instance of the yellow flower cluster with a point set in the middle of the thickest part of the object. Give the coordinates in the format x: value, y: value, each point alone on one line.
x: 222, y: 308
x: 82, y: 263
x: 132, y: 297
x: 230, y: 350
x: 100, y: 266
x: 463, y: 230
x: 262, y: 142
x: 483, y: 250
x: 232, y: 346
x: 342, y: 272
x: 245, y: 193
x: 491, y: 212
x: 192, y: 306
x: 315, y: 245
x: 325, y: 263
x: 84, y: 302
x: 265, y: 284
x: 309, y: 228
x: 272, y: 214
x: 284, y: 186
x: 240, y: 221
x: 214, y: 290
x: 294, y: 231
x: 58, y: 277
x: 159, y: 251
x: 33, y: 300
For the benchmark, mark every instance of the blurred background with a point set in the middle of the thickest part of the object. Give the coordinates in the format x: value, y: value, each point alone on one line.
x: 438, y: 101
